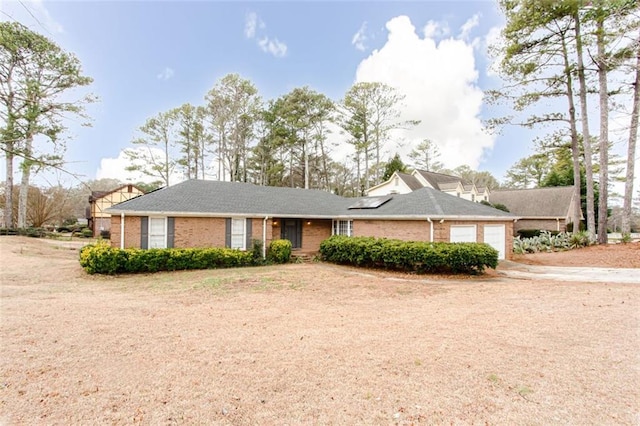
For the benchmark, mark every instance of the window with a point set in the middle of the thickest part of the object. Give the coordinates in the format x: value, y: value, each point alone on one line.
x: 157, y: 232
x: 343, y: 227
x: 473, y: 197
x: 238, y: 235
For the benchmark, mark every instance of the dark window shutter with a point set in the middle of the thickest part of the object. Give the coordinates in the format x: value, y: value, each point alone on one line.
x: 299, y: 236
x: 248, y: 231
x: 144, y: 232
x: 171, y: 230
x: 227, y: 232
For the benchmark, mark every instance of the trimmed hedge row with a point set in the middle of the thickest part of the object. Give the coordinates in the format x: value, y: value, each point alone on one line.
x: 101, y: 258
x: 412, y: 256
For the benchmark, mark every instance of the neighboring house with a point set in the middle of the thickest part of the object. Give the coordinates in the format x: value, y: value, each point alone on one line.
x: 198, y: 213
x: 403, y: 183
x: 549, y: 208
x: 99, y: 201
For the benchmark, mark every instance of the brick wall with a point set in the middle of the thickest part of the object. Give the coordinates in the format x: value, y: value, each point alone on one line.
x: 189, y: 231
x: 131, y: 231
x: 409, y: 230
x: 314, y: 231
x: 210, y: 232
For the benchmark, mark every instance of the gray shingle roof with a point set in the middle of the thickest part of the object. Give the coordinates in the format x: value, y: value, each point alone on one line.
x: 412, y: 182
x: 537, y: 202
x: 194, y: 197
x: 441, y: 181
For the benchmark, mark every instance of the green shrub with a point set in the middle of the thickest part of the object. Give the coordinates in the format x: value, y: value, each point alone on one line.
x: 279, y: 251
x: 87, y: 233
x: 413, y: 256
x: 256, y: 251
x: 101, y: 258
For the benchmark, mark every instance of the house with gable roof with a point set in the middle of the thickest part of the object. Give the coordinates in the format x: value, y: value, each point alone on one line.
x: 402, y: 183
x: 548, y: 208
x: 99, y: 201
x: 198, y: 213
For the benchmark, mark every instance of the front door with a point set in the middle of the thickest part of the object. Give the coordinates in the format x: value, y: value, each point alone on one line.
x: 292, y: 231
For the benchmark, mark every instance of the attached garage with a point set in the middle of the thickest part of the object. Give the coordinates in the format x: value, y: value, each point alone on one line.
x: 494, y: 235
x: 463, y: 234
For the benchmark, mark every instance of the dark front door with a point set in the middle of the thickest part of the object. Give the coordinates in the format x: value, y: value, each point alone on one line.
x: 292, y: 231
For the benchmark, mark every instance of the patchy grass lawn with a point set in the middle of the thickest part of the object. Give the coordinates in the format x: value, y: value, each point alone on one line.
x: 309, y: 344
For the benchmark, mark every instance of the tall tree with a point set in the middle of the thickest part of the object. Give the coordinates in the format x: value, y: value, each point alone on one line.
x: 302, y: 114
x: 584, y: 118
x: 233, y: 105
x: 537, y: 64
x: 193, y: 140
x: 36, y: 82
x: 369, y: 112
x: 393, y: 165
x: 425, y: 156
x: 631, y: 148
x: 528, y: 172
x: 155, y: 157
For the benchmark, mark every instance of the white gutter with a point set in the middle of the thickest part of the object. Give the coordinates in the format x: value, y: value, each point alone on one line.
x: 264, y: 237
x: 431, y: 229
x: 311, y: 216
x: 122, y: 230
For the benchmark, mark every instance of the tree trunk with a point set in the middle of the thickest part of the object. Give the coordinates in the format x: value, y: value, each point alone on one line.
x: 631, y: 150
x: 586, y: 137
x: 575, y: 148
x: 8, y: 190
x: 24, y: 183
x: 603, y: 199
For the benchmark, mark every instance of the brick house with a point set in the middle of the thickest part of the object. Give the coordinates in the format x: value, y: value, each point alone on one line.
x: 198, y: 213
x: 549, y: 208
x: 403, y: 183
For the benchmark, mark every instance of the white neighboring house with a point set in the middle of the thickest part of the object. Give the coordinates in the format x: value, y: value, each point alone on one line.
x: 403, y: 183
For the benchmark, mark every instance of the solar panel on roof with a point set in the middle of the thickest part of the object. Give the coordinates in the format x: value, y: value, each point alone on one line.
x: 370, y: 202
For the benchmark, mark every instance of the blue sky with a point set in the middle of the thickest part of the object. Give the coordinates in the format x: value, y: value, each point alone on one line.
x: 151, y: 56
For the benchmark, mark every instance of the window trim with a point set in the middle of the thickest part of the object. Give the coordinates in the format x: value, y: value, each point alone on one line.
x: 244, y: 233
x: 335, y: 227
x: 164, y: 231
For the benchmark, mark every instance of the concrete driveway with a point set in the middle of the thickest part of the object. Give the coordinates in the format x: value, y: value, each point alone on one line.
x: 560, y: 273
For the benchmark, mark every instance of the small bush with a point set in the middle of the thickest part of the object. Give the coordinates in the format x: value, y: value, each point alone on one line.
x: 279, y: 251
x: 87, y: 233
x: 101, y: 258
x: 412, y: 256
x: 256, y: 251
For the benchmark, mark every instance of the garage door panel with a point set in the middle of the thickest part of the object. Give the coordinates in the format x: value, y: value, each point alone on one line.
x: 463, y: 234
x: 494, y: 235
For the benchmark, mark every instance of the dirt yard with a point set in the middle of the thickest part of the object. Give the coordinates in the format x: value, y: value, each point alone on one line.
x: 310, y: 344
x: 610, y: 255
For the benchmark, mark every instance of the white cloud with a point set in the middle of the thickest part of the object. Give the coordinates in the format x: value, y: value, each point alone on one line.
x: 251, y: 24
x: 436, y: 30
x: 255, y: 28
x: 466, y: 28
x: 166, y: 74
x: 440, y: 84
x: 273, y: 46
x: 116, y: 168
x: 360, y: 38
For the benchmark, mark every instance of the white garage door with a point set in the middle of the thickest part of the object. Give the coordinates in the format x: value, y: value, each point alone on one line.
x: 463, y: 234
x: 494, y: 236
